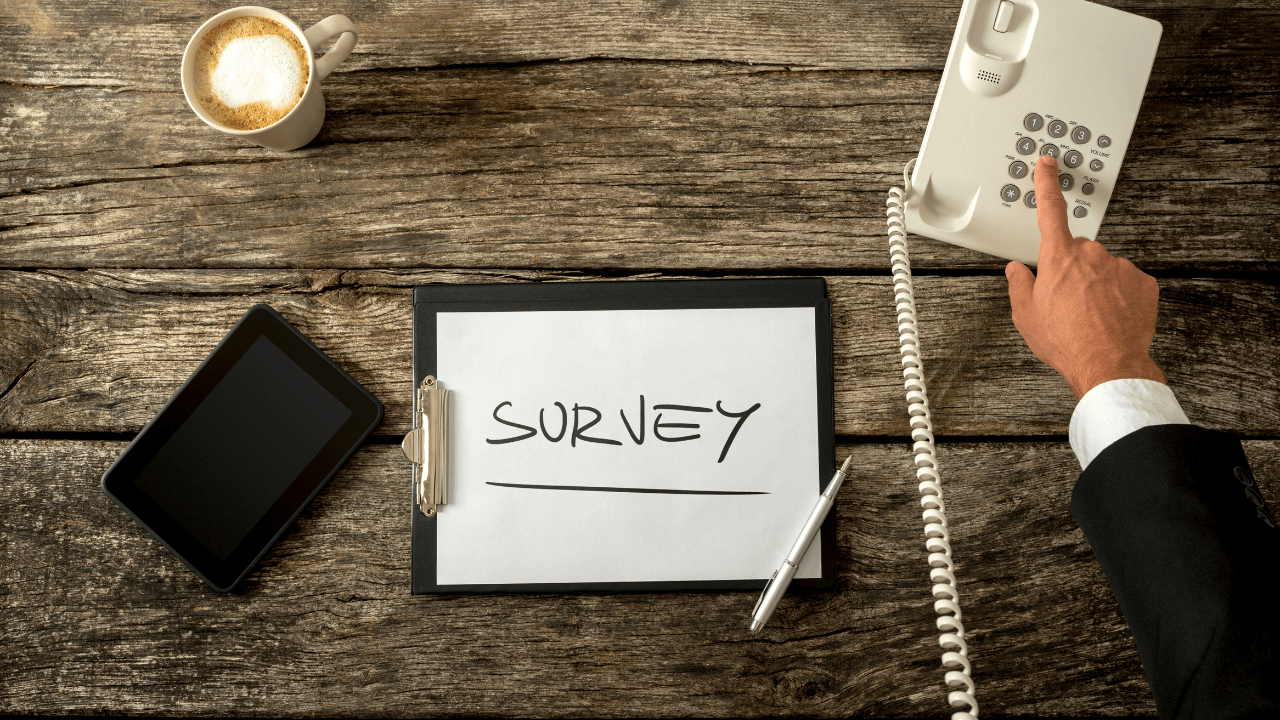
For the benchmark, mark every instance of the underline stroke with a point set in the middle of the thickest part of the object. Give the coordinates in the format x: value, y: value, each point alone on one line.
x: 587, y: 488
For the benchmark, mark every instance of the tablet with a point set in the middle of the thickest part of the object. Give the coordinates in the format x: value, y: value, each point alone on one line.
x: 242, y: 447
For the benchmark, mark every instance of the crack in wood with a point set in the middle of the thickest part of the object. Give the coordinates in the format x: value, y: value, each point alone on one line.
x: 18, y: 377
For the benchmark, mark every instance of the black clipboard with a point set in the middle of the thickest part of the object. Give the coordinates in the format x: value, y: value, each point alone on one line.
x: 428, y: 300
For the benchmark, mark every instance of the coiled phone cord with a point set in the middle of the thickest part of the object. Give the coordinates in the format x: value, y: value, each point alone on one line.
x: 937, y: 540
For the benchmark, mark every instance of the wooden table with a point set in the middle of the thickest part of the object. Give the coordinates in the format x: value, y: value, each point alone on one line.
x: 561, y: 141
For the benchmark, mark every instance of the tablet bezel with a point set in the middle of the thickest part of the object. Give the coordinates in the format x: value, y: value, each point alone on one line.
x: 118, y: 481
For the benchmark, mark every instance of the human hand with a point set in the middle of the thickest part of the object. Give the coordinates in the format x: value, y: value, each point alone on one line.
x: 1087, y: 314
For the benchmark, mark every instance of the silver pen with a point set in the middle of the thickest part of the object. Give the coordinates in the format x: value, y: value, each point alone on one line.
x: 777, y: 585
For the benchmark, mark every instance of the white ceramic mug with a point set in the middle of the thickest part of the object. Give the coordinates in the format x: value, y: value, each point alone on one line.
x: 303, y: 122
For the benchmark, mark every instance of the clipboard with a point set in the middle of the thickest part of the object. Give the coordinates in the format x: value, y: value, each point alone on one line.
x: 430, y: 301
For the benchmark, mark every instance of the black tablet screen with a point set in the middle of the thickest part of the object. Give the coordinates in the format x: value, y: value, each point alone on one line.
x: 238, y: 452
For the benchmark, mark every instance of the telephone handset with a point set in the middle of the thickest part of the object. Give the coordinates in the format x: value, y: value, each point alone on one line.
x: 1023, y: 78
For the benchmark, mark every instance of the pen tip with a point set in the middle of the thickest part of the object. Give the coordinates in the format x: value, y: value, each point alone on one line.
x: 844, y: 469
x: 756, y: 626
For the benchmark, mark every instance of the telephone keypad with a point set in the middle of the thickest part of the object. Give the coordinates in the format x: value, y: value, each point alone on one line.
x: 1078, y: 135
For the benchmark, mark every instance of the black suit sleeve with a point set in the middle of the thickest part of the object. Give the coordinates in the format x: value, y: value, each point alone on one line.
x: 1189, y: 547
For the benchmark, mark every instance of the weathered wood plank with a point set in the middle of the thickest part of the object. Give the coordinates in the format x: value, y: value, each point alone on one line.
x: 99, y: 618
x: 100, y: 351
x: 96, y: 617
x: 139, y: 45
x: 604, y: 165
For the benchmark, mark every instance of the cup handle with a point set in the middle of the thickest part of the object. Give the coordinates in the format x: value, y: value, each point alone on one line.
x: 325, y: 29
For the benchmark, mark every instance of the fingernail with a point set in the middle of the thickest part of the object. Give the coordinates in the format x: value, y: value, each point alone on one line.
x: 1008, y: 269
x: 1051, y: 159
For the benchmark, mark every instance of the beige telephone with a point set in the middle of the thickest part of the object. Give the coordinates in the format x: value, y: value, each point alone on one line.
x: 1024, y: 78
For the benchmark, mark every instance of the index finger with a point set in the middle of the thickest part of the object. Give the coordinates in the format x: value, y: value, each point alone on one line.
x: 1051, y: 207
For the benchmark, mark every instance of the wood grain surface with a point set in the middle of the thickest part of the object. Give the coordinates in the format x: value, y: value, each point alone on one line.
x: 138, y: 45
x: 102, y: 350
x: 598, y: 164
x: 100, y: 618
x: 565, y: 141
x: 458, y: 136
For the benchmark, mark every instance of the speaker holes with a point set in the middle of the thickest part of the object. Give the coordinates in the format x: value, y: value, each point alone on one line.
x: 988, y: 76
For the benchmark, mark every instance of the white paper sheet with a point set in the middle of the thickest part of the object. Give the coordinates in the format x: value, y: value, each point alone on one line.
x: 607, y: 360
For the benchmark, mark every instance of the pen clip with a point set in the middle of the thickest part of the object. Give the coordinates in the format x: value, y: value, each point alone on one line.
x: 772, y: 577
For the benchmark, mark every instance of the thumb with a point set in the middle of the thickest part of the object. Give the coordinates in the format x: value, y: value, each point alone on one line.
x: 1021, y: 285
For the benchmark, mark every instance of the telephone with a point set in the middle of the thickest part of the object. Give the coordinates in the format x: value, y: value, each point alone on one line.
x: 1024, y: 78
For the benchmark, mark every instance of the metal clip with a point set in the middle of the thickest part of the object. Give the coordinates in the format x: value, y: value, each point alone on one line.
x: 772, y: 577
x: 427, y: 446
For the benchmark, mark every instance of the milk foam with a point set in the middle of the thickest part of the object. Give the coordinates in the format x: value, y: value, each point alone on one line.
x: 257, y: 69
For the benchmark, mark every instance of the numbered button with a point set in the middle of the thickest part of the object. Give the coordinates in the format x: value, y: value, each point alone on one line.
x: 1033, y: 122
x: 1095, y: 165
x: 1080, y: 211
x: 1018, y: 170
x: 1066, y: 182
x: 1051, y: 150
x: 1104, y: 141
x: 1026, y: 146
x: 1030, y: 200
x: 1057, y: 128
x: 1072, y: 158
x: 1010, y: 192
x: 1080, y: 135
x: 1087, y: 188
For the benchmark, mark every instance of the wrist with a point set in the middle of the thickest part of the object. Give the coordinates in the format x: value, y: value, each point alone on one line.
x: 1143, y: 368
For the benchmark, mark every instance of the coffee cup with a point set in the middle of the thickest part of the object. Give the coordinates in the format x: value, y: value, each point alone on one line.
x: 302, y: 122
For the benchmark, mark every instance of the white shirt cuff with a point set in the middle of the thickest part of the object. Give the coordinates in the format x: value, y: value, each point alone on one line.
x: 1116, y: 408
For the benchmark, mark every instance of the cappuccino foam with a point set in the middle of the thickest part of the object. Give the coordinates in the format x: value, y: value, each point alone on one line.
x: 250, y: 72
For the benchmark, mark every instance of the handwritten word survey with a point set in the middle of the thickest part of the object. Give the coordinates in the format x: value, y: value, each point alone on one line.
x: 585, y: 418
